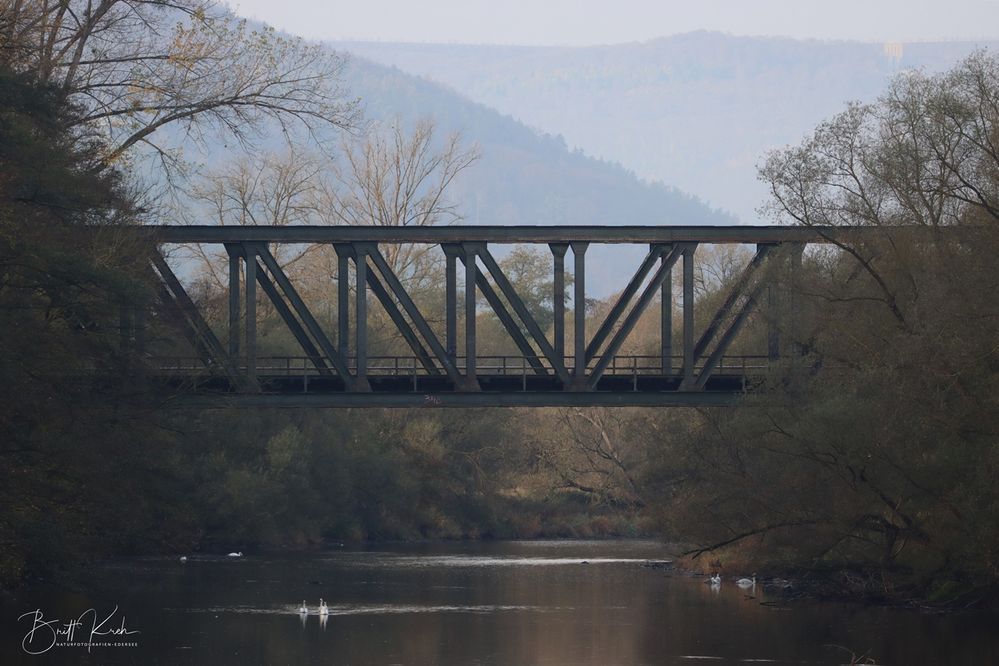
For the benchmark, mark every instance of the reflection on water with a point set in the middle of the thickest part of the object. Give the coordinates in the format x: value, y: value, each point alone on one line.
x: 379, y: 559
x: 358, y: 610
x: 538, y: 602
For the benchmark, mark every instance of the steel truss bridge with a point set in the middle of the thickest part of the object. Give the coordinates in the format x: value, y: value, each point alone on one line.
x: 334, y: 368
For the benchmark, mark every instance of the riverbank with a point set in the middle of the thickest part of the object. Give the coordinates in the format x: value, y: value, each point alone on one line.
x: 830, y: 582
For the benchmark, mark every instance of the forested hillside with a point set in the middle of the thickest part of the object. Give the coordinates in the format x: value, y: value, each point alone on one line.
x: 697, y: 111
x: 520, y: 175
x: 523, y: 176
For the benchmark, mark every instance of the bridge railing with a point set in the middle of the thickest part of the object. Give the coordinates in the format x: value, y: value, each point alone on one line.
x: 503, y: 366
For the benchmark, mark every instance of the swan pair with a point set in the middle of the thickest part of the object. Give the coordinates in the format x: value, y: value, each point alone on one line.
x: 323, y: 608
x: 742, y: 582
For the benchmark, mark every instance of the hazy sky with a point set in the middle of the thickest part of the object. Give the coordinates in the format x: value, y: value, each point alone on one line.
x: 581, y: 22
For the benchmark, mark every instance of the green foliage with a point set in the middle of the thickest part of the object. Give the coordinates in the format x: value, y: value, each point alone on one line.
x: 66, y: 278
x: 877, y: 449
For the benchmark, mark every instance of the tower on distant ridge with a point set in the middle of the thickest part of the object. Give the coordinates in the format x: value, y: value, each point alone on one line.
x: 893, y: 50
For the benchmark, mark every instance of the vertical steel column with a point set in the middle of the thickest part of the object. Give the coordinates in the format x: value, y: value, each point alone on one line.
x: 343, y: 255
x: 361, y: 314
x: 251, y: 311
x: 451, y: 301
x: 688, y: 313
x: 234, y: 311
x: 579, y: 313
x: 470, y: 277
x: 773, y: 310
x: 558, y: 297
x: 666, y: 317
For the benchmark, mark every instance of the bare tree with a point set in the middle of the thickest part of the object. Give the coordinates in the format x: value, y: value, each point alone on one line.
x: 387, y: 177
x: 397, y: 178
x: 592, y: 452
x: 926, y: 154
x: 136, y: 66
x: 401, y: 179
x: 274, y: 188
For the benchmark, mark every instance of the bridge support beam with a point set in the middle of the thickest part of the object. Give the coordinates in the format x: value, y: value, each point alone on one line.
x: 523, y: 313
x: 471, y: 277
x: 636, y: 313
x: 773, y: 313
x: 666, y: 318
x: 250, y: 261
x: 395, y: 286
x: 235, y: 253
x: 622, y: 303
x: 510, y: 324
x: 361, y: 317
x: 688, y: 312
x: 750, y: 286
x: 177, y: 302
x: 558, y: 297
x: 401, y: 325
x: 292, y: 323
x: 762, y: 251
x: 343, y: 256
x: 579, y: 314
x: 451, y: 254
x: 319, y: 342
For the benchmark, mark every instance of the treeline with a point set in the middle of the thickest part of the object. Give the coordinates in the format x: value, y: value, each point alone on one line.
x: 875, y: 456
x: 85, y: 91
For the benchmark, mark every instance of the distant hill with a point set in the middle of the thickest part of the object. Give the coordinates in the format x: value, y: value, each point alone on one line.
x: 523, y: 176
x: 696, y: 111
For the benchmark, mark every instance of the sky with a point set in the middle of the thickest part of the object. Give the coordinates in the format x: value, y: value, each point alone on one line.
x: 590, y: 22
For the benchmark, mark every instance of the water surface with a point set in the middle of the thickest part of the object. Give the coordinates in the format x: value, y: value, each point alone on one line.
x: 543, y: 602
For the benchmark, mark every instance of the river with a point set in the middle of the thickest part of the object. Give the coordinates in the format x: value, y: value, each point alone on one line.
x: 557, y: 603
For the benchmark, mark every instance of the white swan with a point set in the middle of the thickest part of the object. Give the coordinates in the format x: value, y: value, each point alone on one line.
x: 183, y: 558
x: 323, y: 608
x: 715, y: 580
x: 239, y: 554
x: 746, y: 582
x: 304, y: 610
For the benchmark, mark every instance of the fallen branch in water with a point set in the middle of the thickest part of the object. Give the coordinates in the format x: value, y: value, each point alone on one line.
x: 697, y: 552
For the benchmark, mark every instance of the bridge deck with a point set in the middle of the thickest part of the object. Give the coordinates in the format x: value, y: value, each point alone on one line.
x: 502, y: 381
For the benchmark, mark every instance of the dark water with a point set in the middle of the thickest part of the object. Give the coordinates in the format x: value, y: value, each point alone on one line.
x: 464, y: 604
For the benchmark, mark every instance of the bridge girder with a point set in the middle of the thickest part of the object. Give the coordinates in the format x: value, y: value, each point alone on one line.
x: 437, y: 374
